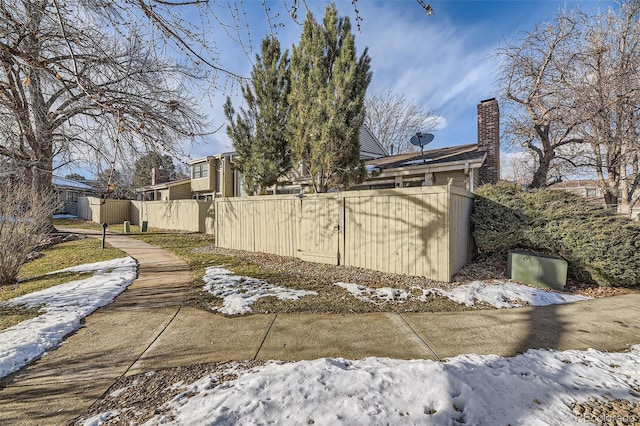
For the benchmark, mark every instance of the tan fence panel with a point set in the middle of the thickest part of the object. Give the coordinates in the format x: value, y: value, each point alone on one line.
x: 320, y: 228
x: 177, y: 215
x: 135, y: 212
x: 267, y: 224
x: 461, y: 243
x: 114, y: 211
x: 90, y: 208
x: 234, y: 224
x: 276, y: 225
x: 206, y: 217
x: 401, y: 231
x: 416, y: 231
x: 84, y: 208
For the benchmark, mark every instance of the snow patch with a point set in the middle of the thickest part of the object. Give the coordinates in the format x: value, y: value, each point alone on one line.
x: 239, y: 293
x: 63, y: 306
x: 64, y: 216
x: 505, y: 295
x: 102, y: 418
x: 499, y: 294
x: 368, y: 294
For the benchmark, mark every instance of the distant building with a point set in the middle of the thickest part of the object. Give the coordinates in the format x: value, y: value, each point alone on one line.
x: 587, y: 188
x: 68, y: 192
x: 463, y: 166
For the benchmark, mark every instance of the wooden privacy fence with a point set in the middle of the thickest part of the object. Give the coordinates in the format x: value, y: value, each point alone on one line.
x: 179, y: 215
x: 109, y: 211
x: 417, y: 231
x: 182, y: 215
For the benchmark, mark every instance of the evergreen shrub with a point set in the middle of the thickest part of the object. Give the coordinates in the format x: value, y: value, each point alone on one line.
x: 600, y: 246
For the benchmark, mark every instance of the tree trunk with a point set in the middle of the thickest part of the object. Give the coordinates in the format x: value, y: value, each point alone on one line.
x: 41, y: 183
x: 540, y: 176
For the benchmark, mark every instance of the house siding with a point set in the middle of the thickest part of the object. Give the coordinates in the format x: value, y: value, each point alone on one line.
x: 180, y: 192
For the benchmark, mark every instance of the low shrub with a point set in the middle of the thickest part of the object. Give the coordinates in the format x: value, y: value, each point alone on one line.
x: 600, y: 246
x: 25, y: 223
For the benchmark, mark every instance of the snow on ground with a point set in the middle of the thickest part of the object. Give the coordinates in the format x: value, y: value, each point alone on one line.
x: 63, y: 306
x: 64, y: 216
x: 533, y: 388
x: 239, y: 293
x: 103, y: 417
x: 373, y: 295
x: 499, y: 294
x: 506, y: 295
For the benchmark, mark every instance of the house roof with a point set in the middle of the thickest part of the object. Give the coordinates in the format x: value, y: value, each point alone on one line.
x: 370, y: 147
x: 163, y: 185
x: 451, y: 154
x: 208, y: 157
x: 61, y: 182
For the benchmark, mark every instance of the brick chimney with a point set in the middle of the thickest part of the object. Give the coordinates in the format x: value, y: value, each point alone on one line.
x: 489, y: 140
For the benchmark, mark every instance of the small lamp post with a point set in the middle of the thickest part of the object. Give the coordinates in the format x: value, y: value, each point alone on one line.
x: 104, y: 233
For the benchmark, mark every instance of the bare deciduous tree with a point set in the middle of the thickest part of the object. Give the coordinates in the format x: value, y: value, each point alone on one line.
x: 574, y: 91
x: 72, y: 81
x: 24, y: 224
x: 71, y: 69
x: 610, y: 100
x: 393, y: 119
x: 537, y: 96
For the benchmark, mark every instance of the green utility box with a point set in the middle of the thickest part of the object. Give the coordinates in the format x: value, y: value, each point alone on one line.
x: 537, y: 269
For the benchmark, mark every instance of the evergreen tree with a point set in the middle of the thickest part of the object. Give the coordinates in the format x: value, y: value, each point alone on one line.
x: 121, y: 187
x: 76, y: 176
x: 328, y: 86
x: 259, y: 131
x: 165, y: 169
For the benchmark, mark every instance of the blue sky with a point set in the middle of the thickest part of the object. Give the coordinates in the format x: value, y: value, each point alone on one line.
x: 444, y: 61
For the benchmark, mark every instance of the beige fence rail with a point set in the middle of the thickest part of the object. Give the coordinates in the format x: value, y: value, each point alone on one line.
x: 182, y: 215
x: 101, y: 211
x: 416, y: 231
x: 179, y: 215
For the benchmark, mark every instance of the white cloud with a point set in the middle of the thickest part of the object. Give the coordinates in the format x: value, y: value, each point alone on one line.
x: 511, y: 162
x: 442, y: 65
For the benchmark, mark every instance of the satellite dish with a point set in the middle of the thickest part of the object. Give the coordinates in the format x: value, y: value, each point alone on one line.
x: 421, y: 139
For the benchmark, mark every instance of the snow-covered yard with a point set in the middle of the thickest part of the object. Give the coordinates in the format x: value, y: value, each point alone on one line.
x: 538, y: 387
x: 63, y: 307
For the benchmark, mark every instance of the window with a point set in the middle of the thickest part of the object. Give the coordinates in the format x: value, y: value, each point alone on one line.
x: 201, y: 197
x: 592, y: 192
x: 72, y: 196
x: 199, y: 171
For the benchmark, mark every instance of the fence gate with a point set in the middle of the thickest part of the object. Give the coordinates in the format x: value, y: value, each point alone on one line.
x: 321, y: 224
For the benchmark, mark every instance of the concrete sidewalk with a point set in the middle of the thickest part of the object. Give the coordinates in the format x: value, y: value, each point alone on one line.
x: 147, y: 328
